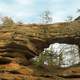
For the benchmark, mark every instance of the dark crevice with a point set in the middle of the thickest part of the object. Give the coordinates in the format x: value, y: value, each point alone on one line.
x: 7, y: 55
x: 4, y: 60
x: 71, y: 76
x: 13, y: 47
x: 14, y: 72
x: 3, y: 79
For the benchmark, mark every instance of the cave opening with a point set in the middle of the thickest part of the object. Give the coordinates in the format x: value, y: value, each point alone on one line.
x: 68, y: 53
x: 60, y: 54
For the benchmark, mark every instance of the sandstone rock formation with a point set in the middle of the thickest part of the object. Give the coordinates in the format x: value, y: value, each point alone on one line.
x: 19, y: 44
x: 32, y: 39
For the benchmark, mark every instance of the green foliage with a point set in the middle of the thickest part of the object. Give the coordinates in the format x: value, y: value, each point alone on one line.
x: 47, y: 57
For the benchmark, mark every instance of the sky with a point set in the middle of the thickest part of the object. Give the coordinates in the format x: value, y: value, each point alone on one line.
x: 29, y: 11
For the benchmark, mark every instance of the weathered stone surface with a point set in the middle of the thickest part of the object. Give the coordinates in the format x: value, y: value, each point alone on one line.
x: 4, y: 60
x: 20, y: 43
x: 71, y: 72
x: 32, y: 39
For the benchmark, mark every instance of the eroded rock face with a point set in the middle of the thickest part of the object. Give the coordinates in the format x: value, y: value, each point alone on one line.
x: 21, y: 43
x: 29, y: 40
x: 32, y: 39
x: 72, y: 72
x: 4, y: 60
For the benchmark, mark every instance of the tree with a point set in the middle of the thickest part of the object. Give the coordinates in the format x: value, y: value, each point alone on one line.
x: 19, y: 23
x: 46, y: 17
x: 7, y: 21
x: 69, y: 18
x: 78, y: 10
x: 47, y: 57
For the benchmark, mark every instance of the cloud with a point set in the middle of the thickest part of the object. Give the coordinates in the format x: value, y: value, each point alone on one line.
x: 29, y: 10
x: 25, y: 2
x: 18, y: 10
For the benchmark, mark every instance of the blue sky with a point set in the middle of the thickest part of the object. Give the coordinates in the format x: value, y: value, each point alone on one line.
x: 29, y: 10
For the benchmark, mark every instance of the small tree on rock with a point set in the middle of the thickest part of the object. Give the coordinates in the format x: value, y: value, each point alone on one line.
x: 69, y: 18
x: 46, y: 17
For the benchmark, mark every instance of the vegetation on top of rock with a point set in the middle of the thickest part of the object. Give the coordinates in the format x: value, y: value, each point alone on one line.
x: 7, y: 22
x: 21, y: 42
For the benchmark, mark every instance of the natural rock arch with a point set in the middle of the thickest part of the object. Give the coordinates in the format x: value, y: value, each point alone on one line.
x: 32, y: 39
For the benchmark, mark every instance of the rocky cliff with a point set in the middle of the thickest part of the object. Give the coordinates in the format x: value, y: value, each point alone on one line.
x: 32, y: 39
x: 20, y: 43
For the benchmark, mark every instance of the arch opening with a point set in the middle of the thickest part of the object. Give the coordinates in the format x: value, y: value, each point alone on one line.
x: 60, y: 54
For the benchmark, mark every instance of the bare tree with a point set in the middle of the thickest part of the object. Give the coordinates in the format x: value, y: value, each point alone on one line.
x: 69, y: 18
x: 19, y: 23
x: 78, y: 10
x: 46, y: 17
x: 7, y: 21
